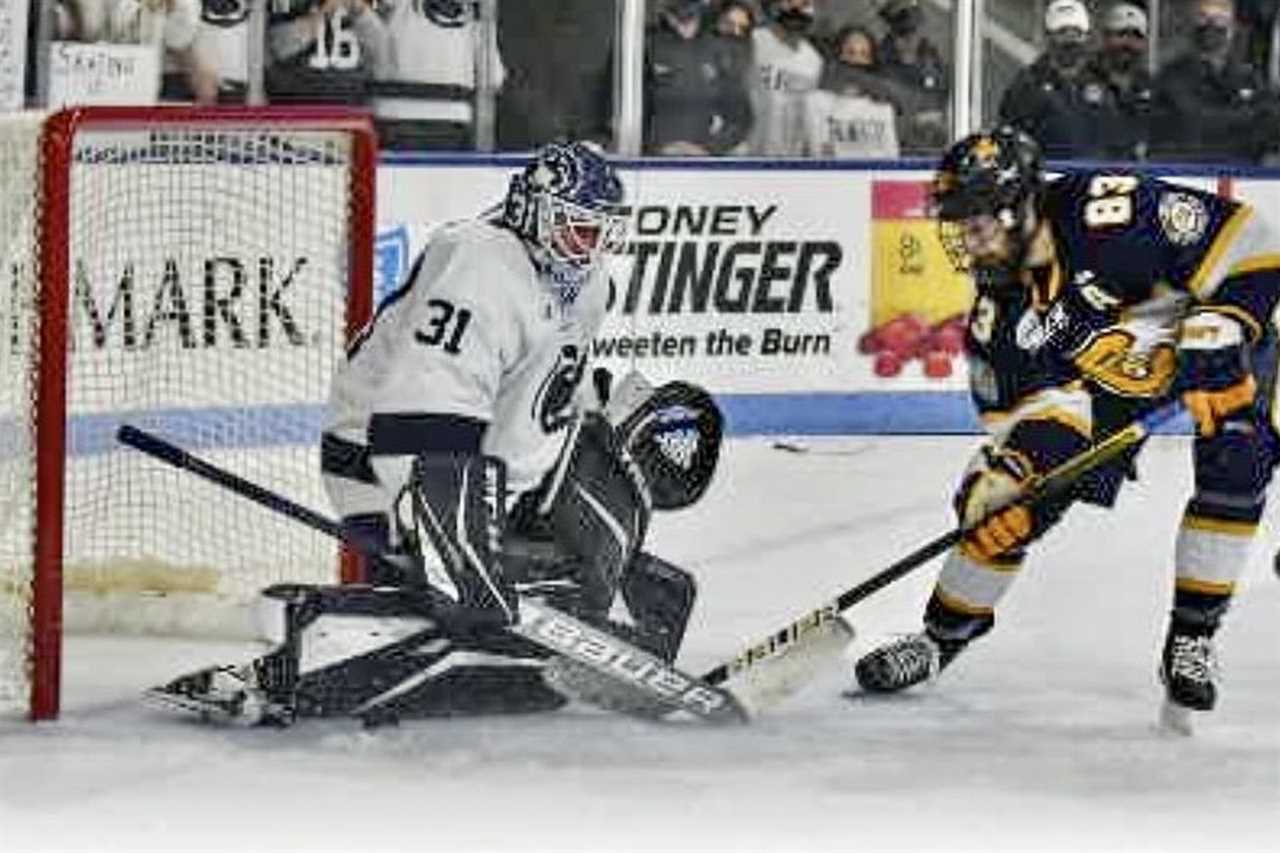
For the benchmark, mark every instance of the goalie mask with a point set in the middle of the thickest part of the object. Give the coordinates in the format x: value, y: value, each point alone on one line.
x: 565, y: 204
x: 986, y: 197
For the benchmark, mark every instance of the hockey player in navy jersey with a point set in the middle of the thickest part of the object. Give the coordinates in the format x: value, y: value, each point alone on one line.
x: 1098, y: 296
x: 465, y: 452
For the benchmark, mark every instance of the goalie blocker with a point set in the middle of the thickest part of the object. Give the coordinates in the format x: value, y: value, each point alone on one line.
x: 574, y: 544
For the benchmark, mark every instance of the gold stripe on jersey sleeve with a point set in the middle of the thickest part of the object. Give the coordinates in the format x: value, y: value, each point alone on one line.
x: 1255, y: 263
x: 1218, y: 525
x: 1205, y: 587
x: 1226, y: 235
x: 999, y: 417
x: 1052, y: 413
x: 1062, y: 416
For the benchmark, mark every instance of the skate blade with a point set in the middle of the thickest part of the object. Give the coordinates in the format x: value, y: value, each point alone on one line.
x: 1176, y: 719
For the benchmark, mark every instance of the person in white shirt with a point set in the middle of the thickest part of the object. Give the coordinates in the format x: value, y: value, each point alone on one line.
x: 462, y: 455
x: 786, y: 68
x: 852, y: 115
x: 171, y: 25
x: 425, y: 100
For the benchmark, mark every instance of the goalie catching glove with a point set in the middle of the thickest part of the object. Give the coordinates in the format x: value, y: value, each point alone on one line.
x: 673, y: 433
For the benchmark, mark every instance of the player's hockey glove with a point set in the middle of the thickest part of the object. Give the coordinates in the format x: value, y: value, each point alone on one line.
x: 995, y: 526
x: 1213, y: 369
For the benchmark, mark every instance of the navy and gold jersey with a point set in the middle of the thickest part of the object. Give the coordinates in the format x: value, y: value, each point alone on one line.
x: 1129, y: 256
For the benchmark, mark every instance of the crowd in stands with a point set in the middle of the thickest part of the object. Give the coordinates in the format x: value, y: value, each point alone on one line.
x: 767, y: 78
x: 1208, y: 103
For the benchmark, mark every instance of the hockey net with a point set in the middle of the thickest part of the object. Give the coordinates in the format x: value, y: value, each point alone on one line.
x: 195, y: 273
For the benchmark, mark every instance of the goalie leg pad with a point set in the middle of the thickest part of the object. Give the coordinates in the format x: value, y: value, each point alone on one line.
x: 379, y: 651
x: 598, y: 507
x: 457, y: 502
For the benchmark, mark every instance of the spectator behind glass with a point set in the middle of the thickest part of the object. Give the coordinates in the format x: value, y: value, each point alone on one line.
x: 324, y: 51
x: 222, y: 36
x: 1212, y: 107
x: 1120, y: 67
x: 1054, y: 99
x: 694, y: 104
x: 426, y: 100
x: 171, y: 24
x: 851, y: 115
x: 786, y: 68
x: 559, y: 58
x: 68, y: 21
x: 914, y: 63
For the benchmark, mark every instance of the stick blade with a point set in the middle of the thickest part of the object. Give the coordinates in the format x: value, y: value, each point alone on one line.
x: 765, y: 682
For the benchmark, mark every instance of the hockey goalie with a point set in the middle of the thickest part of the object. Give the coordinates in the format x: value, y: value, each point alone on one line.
x: 469, y: 461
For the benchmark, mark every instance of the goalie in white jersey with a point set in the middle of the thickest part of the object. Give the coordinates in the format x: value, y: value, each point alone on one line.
x: 464, y: 456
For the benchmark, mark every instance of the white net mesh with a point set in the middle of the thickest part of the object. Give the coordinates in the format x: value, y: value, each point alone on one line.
x: 208, y: 304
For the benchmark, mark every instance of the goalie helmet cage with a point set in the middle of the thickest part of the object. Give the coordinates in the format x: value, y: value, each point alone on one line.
x: 197, y: 272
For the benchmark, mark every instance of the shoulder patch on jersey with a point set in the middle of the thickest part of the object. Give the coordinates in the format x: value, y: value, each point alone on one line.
x: 1183, y: 217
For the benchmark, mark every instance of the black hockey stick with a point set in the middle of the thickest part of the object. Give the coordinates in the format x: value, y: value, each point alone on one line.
x: 645, y: 678
x: 776, y: 666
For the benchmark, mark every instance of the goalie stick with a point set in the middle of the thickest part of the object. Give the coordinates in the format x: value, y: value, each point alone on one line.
x: 774, y: 668
x: 643, y: 678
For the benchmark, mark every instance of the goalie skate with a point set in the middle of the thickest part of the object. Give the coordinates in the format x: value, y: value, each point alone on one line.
x: 222, y: 694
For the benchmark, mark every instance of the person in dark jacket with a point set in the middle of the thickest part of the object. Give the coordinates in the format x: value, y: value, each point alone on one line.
x: 1054, y: 100
x: 695, y: 103
x: 1120, y: 67
x: 908, y: 58
x: 559, y: 83
x: 1213, y: 107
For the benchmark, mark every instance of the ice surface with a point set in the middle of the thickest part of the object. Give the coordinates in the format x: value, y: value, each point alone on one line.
x: 1040, y: 738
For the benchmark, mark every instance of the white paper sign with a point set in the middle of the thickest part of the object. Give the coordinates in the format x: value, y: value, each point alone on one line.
x: 13, y: 54
x: 103, y: 73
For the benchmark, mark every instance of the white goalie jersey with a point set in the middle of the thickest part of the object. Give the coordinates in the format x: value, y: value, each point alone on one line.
x: 474, y: 331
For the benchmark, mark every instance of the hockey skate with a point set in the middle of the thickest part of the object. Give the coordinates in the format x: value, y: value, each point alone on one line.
x: 905, y: 662
x: 223, y: 694
x: 1187, y: 670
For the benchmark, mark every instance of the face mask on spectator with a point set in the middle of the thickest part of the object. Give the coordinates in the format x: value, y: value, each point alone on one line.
x: 1067, y: 48
x: 1212, y: 37
x: 906, y: 22
x: 795, y: 20
x: 1124, y: 58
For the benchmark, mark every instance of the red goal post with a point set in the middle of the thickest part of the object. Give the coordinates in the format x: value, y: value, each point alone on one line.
x: 197, y: 271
